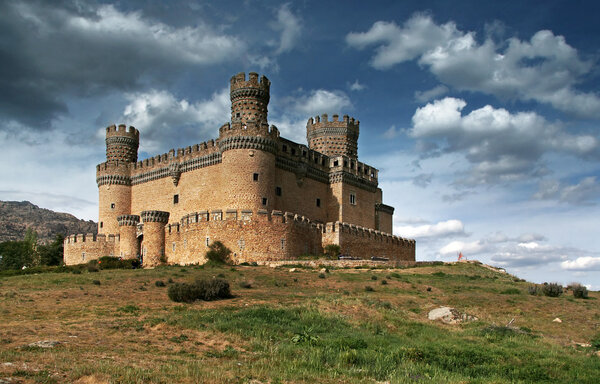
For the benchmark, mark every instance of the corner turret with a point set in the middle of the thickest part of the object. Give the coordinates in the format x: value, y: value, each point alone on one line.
x: 335, y: 137
x: 122, y: 144
x: 249, y: 99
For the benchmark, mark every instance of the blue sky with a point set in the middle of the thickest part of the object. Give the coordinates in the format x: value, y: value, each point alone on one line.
x: 481, y: 116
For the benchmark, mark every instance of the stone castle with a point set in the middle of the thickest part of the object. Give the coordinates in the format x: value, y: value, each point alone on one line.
x: 263, y: 196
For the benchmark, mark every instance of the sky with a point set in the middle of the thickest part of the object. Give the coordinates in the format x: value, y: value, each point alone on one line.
x: 482, y: 117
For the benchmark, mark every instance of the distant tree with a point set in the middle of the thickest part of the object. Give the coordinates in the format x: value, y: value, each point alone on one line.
x: 51, y: 254
x: 218, y: 253
x: 15, y: 255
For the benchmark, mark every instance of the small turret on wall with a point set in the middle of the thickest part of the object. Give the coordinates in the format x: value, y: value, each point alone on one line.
x: 122, y: 144
x: 154, y: 237
x: 335, y: 137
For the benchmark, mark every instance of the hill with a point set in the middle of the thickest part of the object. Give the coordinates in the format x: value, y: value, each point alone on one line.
x: 17, y: 216
x: 294, y: 326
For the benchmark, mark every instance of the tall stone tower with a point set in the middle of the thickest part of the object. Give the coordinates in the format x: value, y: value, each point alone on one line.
x: 335, y: 137
x: 249, y: 99
x: 248, y: 145
x: 113, y: 177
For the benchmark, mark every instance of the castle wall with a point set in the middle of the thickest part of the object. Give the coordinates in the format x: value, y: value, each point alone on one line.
x: 364, y: 243
x: 250, y: 235
x: 300, y: 195
x: 79, y: 249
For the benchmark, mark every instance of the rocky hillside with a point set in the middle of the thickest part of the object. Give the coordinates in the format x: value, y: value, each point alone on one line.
x: 16, y: 217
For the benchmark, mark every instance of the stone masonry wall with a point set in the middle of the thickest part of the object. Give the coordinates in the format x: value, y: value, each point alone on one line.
x: 79, y: 249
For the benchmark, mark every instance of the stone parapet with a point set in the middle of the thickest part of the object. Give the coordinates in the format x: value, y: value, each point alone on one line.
x: 155, y: 217
x: 128, y: 220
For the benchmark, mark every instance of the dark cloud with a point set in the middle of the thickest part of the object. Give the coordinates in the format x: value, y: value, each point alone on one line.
x: 52, y: 50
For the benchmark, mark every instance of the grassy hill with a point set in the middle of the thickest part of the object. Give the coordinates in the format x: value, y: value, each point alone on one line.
x: 118, y: 326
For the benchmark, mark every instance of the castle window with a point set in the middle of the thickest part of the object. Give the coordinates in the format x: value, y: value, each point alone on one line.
x: 303, y: 153
x: 173, y: 247
x: 323, y: 162
x: 284, y: 148
x: 237, y: 115
x: 112, y: 205
x: 352, y: 164
x: 101, y: 224
x: 255, y: 177
x: 264, y: 201
x: 345, y: 163
x: 336, y: 163
x: 282, y: 243
x: 352, y: 198
x: 318, y: 202
x: 278, y: 191
x: 241, y: 244
x: 175, y: 199
x: 82, y: 256
x: 207, y: 241
x: 293, y: 151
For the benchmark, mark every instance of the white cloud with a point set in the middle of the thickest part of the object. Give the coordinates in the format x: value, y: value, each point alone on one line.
x: 584, y: 192
x: 356, y: 86
x: 545, y: 68
x: 441, y: 229
x: 468, y: 249
x: 162, y: 118
x: 586, y: 263
x: 499, y: 145
x: 430, y: 94
x: 322, y: 101
x: 290, y: 26
x: 422, y: 180
x: 391, y: 132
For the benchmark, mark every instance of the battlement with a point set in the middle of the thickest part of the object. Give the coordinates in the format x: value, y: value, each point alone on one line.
x: 91, y: 238
x: 239, y: 81
x: 122, y: 144
x: 358, y: 231
x: 333, y: 137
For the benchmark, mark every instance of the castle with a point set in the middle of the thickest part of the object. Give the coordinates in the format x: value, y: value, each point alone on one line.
x: 263, y: 196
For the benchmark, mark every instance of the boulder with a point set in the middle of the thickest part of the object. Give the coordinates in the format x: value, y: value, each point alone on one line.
x: 450, y: 315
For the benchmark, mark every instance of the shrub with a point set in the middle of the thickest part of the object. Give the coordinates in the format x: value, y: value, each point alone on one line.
x: 332, y: 251
x: 579, y: 291
x: 96, y: 282
x: 428, y: 289
x: 368, y: 288
x: 93, y: 266
x: 595, y: 342
x: 218, y: 253
x: 201, y: 289
x: 160, y: 283
x: 373, y: 277
x: 534, y: 290
x: 112, y: 262
x: 384, y: 282
x: 245, y: 284
x: 321, y: 275
x: 552, y: 290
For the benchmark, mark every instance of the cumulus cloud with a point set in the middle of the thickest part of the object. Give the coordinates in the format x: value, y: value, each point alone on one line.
x: 290, y: 26
x: 545, y: 68
x: 322, y: 101
x: 52, y: 50
x: 430, y: 94
x: 441, y: 229
x: 585, y: 192
x: 499, y: 145
x: 585, y: 263
x: 468, y: 248
x: 162, y: 118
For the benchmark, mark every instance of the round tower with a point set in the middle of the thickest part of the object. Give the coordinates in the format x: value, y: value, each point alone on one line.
x: 128, y: 244
x: 154, y: 237
x: 249, y: 99
x: 122, y: 143
x: 248, y: 146
x: 113, y: 177
x: 335, y: 137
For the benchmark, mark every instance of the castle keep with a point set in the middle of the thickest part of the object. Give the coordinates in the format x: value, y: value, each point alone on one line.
x: 263, y: 196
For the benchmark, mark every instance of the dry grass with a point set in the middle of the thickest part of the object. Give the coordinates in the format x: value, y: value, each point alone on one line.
x: 126, y: 329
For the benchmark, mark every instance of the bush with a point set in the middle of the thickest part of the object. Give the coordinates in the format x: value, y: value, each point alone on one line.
x: 245, y: 284
x: 332, y: 251
x: 368, y: 288
x: 384, y: 282
x: 201, y: 289
x: 579, y: 291
x: 218, y: 253
x: 160, y: 283
x: 321, y: 275
x: 595, y: 342
x: 552, y: 290
x: 93, y: 266
x: 112, y: 262
x: 96, y: 282
x: 534, y: 290
x: 373, y: 277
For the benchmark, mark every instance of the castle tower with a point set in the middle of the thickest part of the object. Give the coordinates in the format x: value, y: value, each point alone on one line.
x: 122, y: 144
x: 249, y: 99
x: 154, y: 237
x: 129, y: 248
x: 248, y: 146
x: 333, y: 138
x: 113, y: 177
